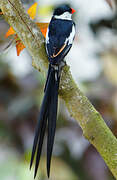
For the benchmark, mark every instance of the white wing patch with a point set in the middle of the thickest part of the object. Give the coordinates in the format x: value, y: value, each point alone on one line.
x: 70, y: 39
x: 47, y: 38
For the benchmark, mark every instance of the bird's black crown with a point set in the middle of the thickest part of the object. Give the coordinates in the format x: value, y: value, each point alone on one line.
x: 61, y: 9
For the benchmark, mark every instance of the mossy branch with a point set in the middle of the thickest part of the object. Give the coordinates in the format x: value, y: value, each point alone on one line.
x: 91, y: 122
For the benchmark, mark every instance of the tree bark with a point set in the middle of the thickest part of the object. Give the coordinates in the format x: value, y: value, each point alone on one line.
x: 91, y: 122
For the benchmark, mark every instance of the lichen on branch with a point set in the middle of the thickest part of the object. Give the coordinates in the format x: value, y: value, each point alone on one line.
x: 91, y: 122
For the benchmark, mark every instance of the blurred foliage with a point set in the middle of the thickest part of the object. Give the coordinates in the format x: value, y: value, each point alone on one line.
x: 20, y: 97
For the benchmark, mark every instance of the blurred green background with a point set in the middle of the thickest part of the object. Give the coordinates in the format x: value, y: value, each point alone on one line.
x: 93, y: 62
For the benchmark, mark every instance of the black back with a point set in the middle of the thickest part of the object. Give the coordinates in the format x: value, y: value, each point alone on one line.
x: 59, y: 31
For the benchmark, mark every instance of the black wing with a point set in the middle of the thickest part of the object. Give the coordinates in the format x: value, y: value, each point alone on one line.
x: 57, y: 39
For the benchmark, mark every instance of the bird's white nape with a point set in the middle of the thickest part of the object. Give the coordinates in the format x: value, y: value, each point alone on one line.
x: 65, y: 16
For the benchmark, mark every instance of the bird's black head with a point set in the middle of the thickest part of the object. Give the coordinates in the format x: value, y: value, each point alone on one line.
x: 62, y: 9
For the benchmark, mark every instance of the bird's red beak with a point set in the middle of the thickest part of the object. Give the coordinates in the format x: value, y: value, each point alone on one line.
x: 73, y: 11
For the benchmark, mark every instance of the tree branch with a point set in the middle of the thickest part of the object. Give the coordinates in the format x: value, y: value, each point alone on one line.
x: 91, y: 122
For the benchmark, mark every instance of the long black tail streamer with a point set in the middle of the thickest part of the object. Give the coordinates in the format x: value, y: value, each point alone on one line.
x: 47, y: 116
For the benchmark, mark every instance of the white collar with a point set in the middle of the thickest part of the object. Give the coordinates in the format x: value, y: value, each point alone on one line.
x: 65, y: 16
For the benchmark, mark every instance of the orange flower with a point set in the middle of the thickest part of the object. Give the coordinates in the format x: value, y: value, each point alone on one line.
x: 43, y: 27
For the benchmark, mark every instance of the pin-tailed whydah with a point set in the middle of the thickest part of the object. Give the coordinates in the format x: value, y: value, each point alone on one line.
x: 59, y: 39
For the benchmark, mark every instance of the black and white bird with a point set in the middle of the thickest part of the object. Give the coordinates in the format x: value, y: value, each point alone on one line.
x: 59, y: 39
